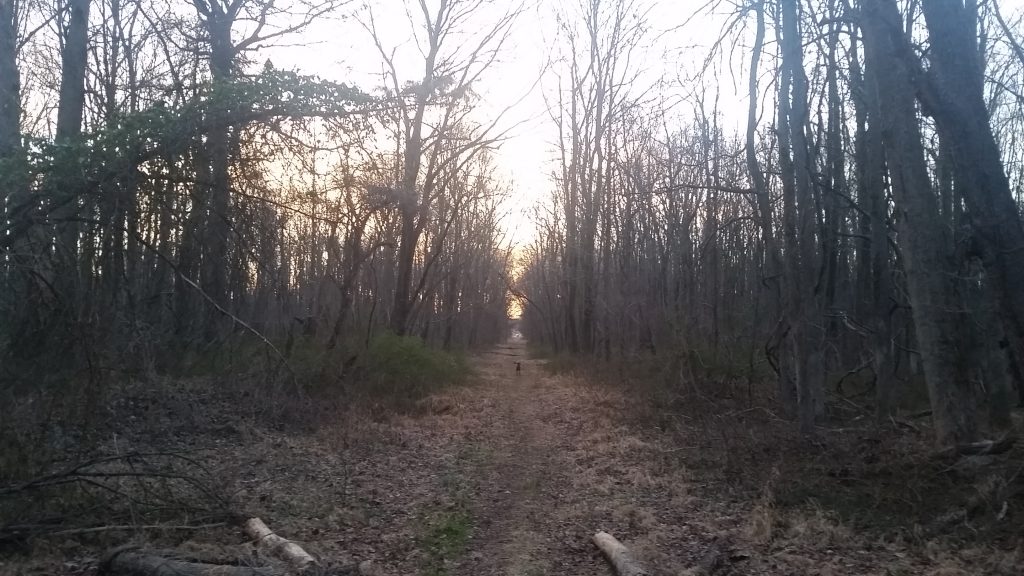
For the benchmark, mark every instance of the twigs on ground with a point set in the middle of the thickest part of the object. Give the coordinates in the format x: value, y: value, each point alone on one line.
x: 24, y: 531
x: 128, y: 491
x: 136, y: 562
x: 271, y: 555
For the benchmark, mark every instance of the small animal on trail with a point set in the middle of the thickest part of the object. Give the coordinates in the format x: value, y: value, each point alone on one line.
x: 519, y: 369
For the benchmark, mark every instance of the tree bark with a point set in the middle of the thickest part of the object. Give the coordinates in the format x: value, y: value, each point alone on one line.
x: 70, y: 108
x: 954, y: 95
x: 928, y: 253
x: 10, y: 83
x: 806, y: 330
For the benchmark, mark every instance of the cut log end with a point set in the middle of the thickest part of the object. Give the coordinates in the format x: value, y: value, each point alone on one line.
x: 619, y: 556
x: 273, y: 545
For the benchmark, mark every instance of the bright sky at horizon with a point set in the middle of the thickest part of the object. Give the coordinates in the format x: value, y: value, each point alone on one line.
x: 518, y: 85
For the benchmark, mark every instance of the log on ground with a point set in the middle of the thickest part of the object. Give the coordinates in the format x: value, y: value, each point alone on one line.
x: 271, y: 544
x: 133, y: 562
x: 619, y: 556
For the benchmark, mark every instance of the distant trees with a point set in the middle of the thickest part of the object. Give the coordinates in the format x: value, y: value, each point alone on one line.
x: 864, y: 222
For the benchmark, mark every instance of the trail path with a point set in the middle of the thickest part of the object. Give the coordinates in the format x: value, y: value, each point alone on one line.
x: 529, y: 466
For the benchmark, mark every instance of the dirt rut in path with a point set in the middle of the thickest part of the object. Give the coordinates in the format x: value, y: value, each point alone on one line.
x: 525, y: 516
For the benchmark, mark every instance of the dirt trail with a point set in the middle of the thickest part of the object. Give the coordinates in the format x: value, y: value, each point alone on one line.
x: 527, y: 466
x: 530, y: 425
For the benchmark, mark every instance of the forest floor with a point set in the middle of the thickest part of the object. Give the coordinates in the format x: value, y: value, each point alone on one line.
x: 510, y: 475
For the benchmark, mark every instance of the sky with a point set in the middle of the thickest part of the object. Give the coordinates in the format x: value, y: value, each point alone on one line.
x: 682, y: 34
x: 516, y: 85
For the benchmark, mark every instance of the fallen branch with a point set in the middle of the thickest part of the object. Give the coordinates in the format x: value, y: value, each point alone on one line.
x: 134, y: 562
x: 980, y: 448
x: 234, y: 555
x: 44, y: 530
x: 273, y: 545
x: 618, y: 555
x: 987, y: 446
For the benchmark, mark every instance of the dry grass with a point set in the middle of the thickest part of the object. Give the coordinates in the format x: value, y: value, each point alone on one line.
x: 860, y: 500
x: 536, y: 463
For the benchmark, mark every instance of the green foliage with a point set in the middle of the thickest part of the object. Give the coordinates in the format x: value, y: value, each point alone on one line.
x: 391, y: 370
x: 163, y: 131
x: 403, y: 367
x: 445, y: 540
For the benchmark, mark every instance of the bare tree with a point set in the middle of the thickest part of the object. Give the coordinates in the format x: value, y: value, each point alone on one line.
x: 444, y: 92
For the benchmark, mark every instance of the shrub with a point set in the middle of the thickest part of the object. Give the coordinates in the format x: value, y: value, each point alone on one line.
x: 404, y: 368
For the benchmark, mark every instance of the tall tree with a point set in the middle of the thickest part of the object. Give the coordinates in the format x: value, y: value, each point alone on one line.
x: 801, y: 252
x: 445, y: 89
x: 929, y: 258
x: 954, y: 94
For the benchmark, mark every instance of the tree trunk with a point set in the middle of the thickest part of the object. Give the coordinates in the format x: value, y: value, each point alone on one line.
x: 955, y: 97
x: 70, y: 108
x: 772, y: 275
x: 273, y: 545
x: 876, y: 284
x: 10, y: 83
x: 927, y: 246
x: 74, y: 57
x: 411, y: 206
x: 806, y: 332
x: 217, y: 230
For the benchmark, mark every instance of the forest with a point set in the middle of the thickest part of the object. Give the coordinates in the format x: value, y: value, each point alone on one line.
x: 782, y: 238
x: 863, y: 221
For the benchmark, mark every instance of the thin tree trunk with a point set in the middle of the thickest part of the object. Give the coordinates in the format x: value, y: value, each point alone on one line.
x: 70, y: 109
x: 10, y: 83
x: 772, y: 276
x: 807, y: 334
x: 215, y: 263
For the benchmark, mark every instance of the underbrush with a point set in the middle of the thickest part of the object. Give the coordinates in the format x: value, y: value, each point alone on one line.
x: 130, y: 451
x: 444, y: 539
x: 881, y: 480
x: 299, y: 381
x: 404, y: 369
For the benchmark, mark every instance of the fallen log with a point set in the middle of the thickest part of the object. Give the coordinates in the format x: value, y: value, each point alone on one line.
x: 241, y: 555
x: 618, y: 555
x: 135, y: 562
x: 271, y: 544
